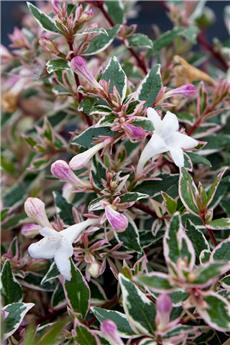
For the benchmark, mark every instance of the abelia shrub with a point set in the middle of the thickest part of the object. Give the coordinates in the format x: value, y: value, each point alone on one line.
x: 115, y: 154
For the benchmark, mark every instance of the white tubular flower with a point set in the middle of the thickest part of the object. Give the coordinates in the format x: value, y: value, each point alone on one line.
x: 82, y: 159
x: 166, y: 137
x: 58, y: 245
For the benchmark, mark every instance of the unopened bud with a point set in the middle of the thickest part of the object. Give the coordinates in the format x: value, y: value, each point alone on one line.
x: 109, y: 329
x: 35, y: 209
x: 118, y: 221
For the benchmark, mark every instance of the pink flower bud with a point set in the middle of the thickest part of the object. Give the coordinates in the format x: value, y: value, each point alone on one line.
x: 56, y: 5
x: 30, y: 230
x: 79, y: 66
x: 134, y: 132
x: 109, y: 329
x: 117, y: 220
x: 35, y: 209
x: 62, y: 171
x: 164, y: 308
x: 187, y: 90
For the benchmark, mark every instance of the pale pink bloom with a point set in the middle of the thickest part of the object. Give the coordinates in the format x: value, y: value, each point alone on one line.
x: 62, y: 171
x: 79, y: 66
x: 164, y: 308
x: 82, y: 159
x: 18, y: 39
x: 109, y: 329
x: 118, y: 221
x: 30, y: 230
x: 134, y: 132
x: 35, y: 209
x: 166, y: 137
x: 188, y: 90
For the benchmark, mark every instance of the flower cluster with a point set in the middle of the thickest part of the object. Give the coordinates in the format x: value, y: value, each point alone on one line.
x: 115, y: 207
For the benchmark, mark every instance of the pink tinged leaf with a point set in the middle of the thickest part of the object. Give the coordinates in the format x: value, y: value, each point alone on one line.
x: 118, y: 221
x: 109, y: 329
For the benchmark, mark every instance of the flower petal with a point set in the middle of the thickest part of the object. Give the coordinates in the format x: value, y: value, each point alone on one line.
x: 183, y: 141
x: 154, y: 117
x: 82, y: 159
x: 45, y: 248
x: 154, y: 147
x: 170, y: 123
x: 62, y: 260
x: 177, y: 156
x: 74, y: 231
x: 117, y: 220
x: 48, y: 232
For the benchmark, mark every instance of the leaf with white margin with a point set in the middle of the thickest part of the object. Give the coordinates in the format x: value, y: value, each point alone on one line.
x: 115, y: 75
x: 51, y: 274
x: 11, y: 289
x: 77, y: 292
x: 150, y: 86
x: 43, y: 20
x: 215, y: 310
x: 13, y: 315
x: 177, y: 244
x: 147, y: 341
x: 115, y: 9
x: 188, y: 192
x: 155, y: 281
x: 220, y: 224
x: 197, y: 238
x: 140, y: 311
x: 213, y: 188
x: 117, y: 317
x: 206, y: 274
x: 222, y: 251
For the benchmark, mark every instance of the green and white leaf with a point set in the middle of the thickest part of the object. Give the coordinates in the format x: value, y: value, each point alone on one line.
x: 222, y: 251
x: 11, y: 289
x: 220, y: 224
x: 155, y: 281
x: 56, y: 65
x: 150, y: 86
x: 130, y: 237
x: 43, y: 20
x: 188, y: 192
x: 102, y: 41
x: 51, y: 274
x: 213, y: 188
x: 85, y: 139
x: 85, y: 337
x: 77, y: 292
x: 117, y: 317
x: 215, y: 311
x: 115, y: 9
x: 140, y: 311
x: 115, y: 75
x: 197, y: 238
x: 206, y: 274
x: 138, y: 40
x: 14, y: 315
x: 132, y: 197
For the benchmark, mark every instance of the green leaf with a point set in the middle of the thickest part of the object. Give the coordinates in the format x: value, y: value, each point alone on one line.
x: 52, y: 335
x: 115, y: 9
x: 169, y: 36
x: 56, y: 65
x: 140, y: 311
x: 114, y: 74
x: 165, y: 183
x: 15, y: 313
x: 58, y: 297
x: 64, y: 209
x: 102, y: 41
x: 198, y: 159
x: 77, y: 292
x: 33, y: 281
x: 130, y: 238
x: 150, y: 86
x: 143, y: 123
x: 204, y: 275
x: 132, y: 197
x: 12, y: 290
x: 84, y: 336
x: 215, y: 311
x: 98, y: 172
x: 197, y: 238
x: 213, y: 188
x: 220, y: 224
x: 140, y: 41
x: 170, y: 203
x: 222, y: 251
x: 177, y: 244
x: 86, y: 138
x: 51, y: 274
x: 43, y: 20
x: 118, y: 318
x: 225, y: 282
x: 188, y: 192
x: 155, y: 281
